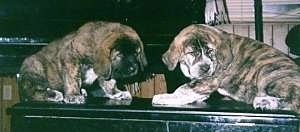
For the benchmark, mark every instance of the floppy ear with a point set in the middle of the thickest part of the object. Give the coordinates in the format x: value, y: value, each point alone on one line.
x: 102, y: 58
x: 135, y: 39
x: 141, y: 56
x: 171, y: 56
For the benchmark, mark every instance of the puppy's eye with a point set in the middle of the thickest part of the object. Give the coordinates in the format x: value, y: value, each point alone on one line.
x: 209, y: 51
x: 190, y: 53
x: 193, y: 53
x: 117, y: 55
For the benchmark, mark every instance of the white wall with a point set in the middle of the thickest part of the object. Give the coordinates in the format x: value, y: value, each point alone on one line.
x: 274, y: 33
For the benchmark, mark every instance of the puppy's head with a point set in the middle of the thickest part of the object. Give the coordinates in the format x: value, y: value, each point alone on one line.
x: 195, y: 51
x: 125, y: 58
x: 121, y: 57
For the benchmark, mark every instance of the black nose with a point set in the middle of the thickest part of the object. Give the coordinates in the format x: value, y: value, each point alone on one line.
x: 132, y: 69
x: 204, y: 68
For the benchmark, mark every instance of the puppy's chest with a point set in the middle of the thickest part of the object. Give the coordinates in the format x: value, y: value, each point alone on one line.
x: 88, y: 75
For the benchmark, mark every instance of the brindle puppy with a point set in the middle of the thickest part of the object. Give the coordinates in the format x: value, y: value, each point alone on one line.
x: 98, y: 50
x: 237, y: 67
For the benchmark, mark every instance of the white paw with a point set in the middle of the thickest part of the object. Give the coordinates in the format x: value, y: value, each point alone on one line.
x: 83, y: 92
x: 57, y: 96
x: 74, y: 99
x: 171, y: 99
x: 163, y: 99
x: 266, y: 103
x: 181, y: 96
x: 123, y: 95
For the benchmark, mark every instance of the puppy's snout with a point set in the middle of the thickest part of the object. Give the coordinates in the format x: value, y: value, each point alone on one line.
x: 205, y: 68
x: 132, y: 69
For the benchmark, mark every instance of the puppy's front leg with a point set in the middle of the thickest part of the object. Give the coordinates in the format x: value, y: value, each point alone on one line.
x: 111, y: 91
x: 182, y: 95
x: 72, y: 85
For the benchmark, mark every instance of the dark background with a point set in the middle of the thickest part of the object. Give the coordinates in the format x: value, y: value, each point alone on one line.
x: 28, y: 25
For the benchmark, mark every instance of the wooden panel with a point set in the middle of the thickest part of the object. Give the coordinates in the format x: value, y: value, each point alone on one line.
x: 148, y: 88
x: 9, y: 97
x: 160, y: 85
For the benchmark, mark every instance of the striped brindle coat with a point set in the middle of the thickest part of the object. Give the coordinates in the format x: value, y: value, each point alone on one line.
x: 99, y: 50
x: 237, y: 67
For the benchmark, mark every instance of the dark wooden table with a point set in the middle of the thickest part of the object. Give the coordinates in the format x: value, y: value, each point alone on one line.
x: 102, y: 115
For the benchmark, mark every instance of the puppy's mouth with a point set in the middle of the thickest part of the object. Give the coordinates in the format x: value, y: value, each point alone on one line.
x: 196, y: 71
x: 205, y: 69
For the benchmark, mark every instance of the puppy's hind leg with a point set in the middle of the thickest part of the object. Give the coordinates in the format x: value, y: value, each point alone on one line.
x: 43, y: 95
x: 32, y: 87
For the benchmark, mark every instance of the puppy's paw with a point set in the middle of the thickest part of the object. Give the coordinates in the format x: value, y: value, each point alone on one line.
x: 54, y: 95
x: 122, y: 95
x: 74, y: 99
x: 266, y: 103
x: 173, y: 99
x: 182, y: 96
x: 118, y: 102
x: 83, y: 92
x: 162, y: 99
